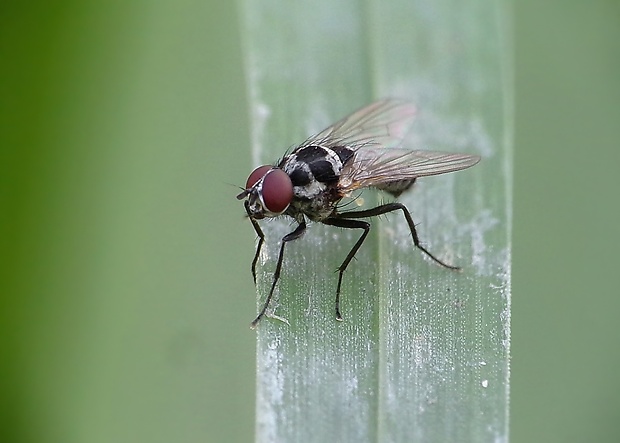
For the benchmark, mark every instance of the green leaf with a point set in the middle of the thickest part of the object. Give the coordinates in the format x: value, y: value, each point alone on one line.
x: 422, y: 354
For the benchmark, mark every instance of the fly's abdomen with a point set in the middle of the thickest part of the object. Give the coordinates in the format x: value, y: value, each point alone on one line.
x: 396, y: 187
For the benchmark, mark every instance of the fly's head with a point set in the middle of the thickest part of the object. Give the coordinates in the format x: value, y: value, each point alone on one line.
x: 269, y: 192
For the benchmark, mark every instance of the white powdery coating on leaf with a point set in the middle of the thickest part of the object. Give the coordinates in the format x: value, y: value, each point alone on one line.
x: 484, y: 261
x: 270, y: 389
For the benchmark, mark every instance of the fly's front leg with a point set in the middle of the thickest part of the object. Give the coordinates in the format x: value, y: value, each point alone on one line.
x: 390, y: 207
x: 350, y: 224
x: 261, y: 239
x: 298, y: 232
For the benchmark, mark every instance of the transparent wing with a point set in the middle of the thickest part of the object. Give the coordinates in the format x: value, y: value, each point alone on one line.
x: 374, y: 166
x: 383, y: 123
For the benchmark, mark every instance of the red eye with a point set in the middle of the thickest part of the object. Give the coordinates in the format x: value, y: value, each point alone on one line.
x: 256, y: 175
x: 277, y: 191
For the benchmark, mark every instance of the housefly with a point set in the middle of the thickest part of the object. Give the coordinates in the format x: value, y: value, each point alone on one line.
x: 360, y: 151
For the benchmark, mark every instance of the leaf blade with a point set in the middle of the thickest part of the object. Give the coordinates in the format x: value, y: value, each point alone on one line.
x: 413, y: 356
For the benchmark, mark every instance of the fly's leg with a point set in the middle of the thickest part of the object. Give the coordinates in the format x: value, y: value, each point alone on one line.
x: 391, y: 207
x: 298, y: 232
x: 350, y: 224
x: 261, y: 239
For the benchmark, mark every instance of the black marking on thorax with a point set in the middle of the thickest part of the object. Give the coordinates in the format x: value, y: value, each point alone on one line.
x: 343, y: 153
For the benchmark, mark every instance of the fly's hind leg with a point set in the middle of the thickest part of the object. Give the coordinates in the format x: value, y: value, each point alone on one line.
x: 391, y: 207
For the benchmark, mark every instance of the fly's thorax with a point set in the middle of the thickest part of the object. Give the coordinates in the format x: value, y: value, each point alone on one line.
x: 315, y: 169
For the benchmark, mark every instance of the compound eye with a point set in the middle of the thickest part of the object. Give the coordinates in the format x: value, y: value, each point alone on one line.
x: 277, y: 191
x: 256, y: 175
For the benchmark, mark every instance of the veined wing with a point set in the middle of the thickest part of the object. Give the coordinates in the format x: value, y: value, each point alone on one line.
x: 381, y: 124
x: 374, y: 166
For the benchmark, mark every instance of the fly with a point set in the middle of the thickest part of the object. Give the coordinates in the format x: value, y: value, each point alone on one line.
x: 360, y: 151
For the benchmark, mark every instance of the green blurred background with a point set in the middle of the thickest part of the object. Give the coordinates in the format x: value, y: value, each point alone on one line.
x: 125, y: 291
